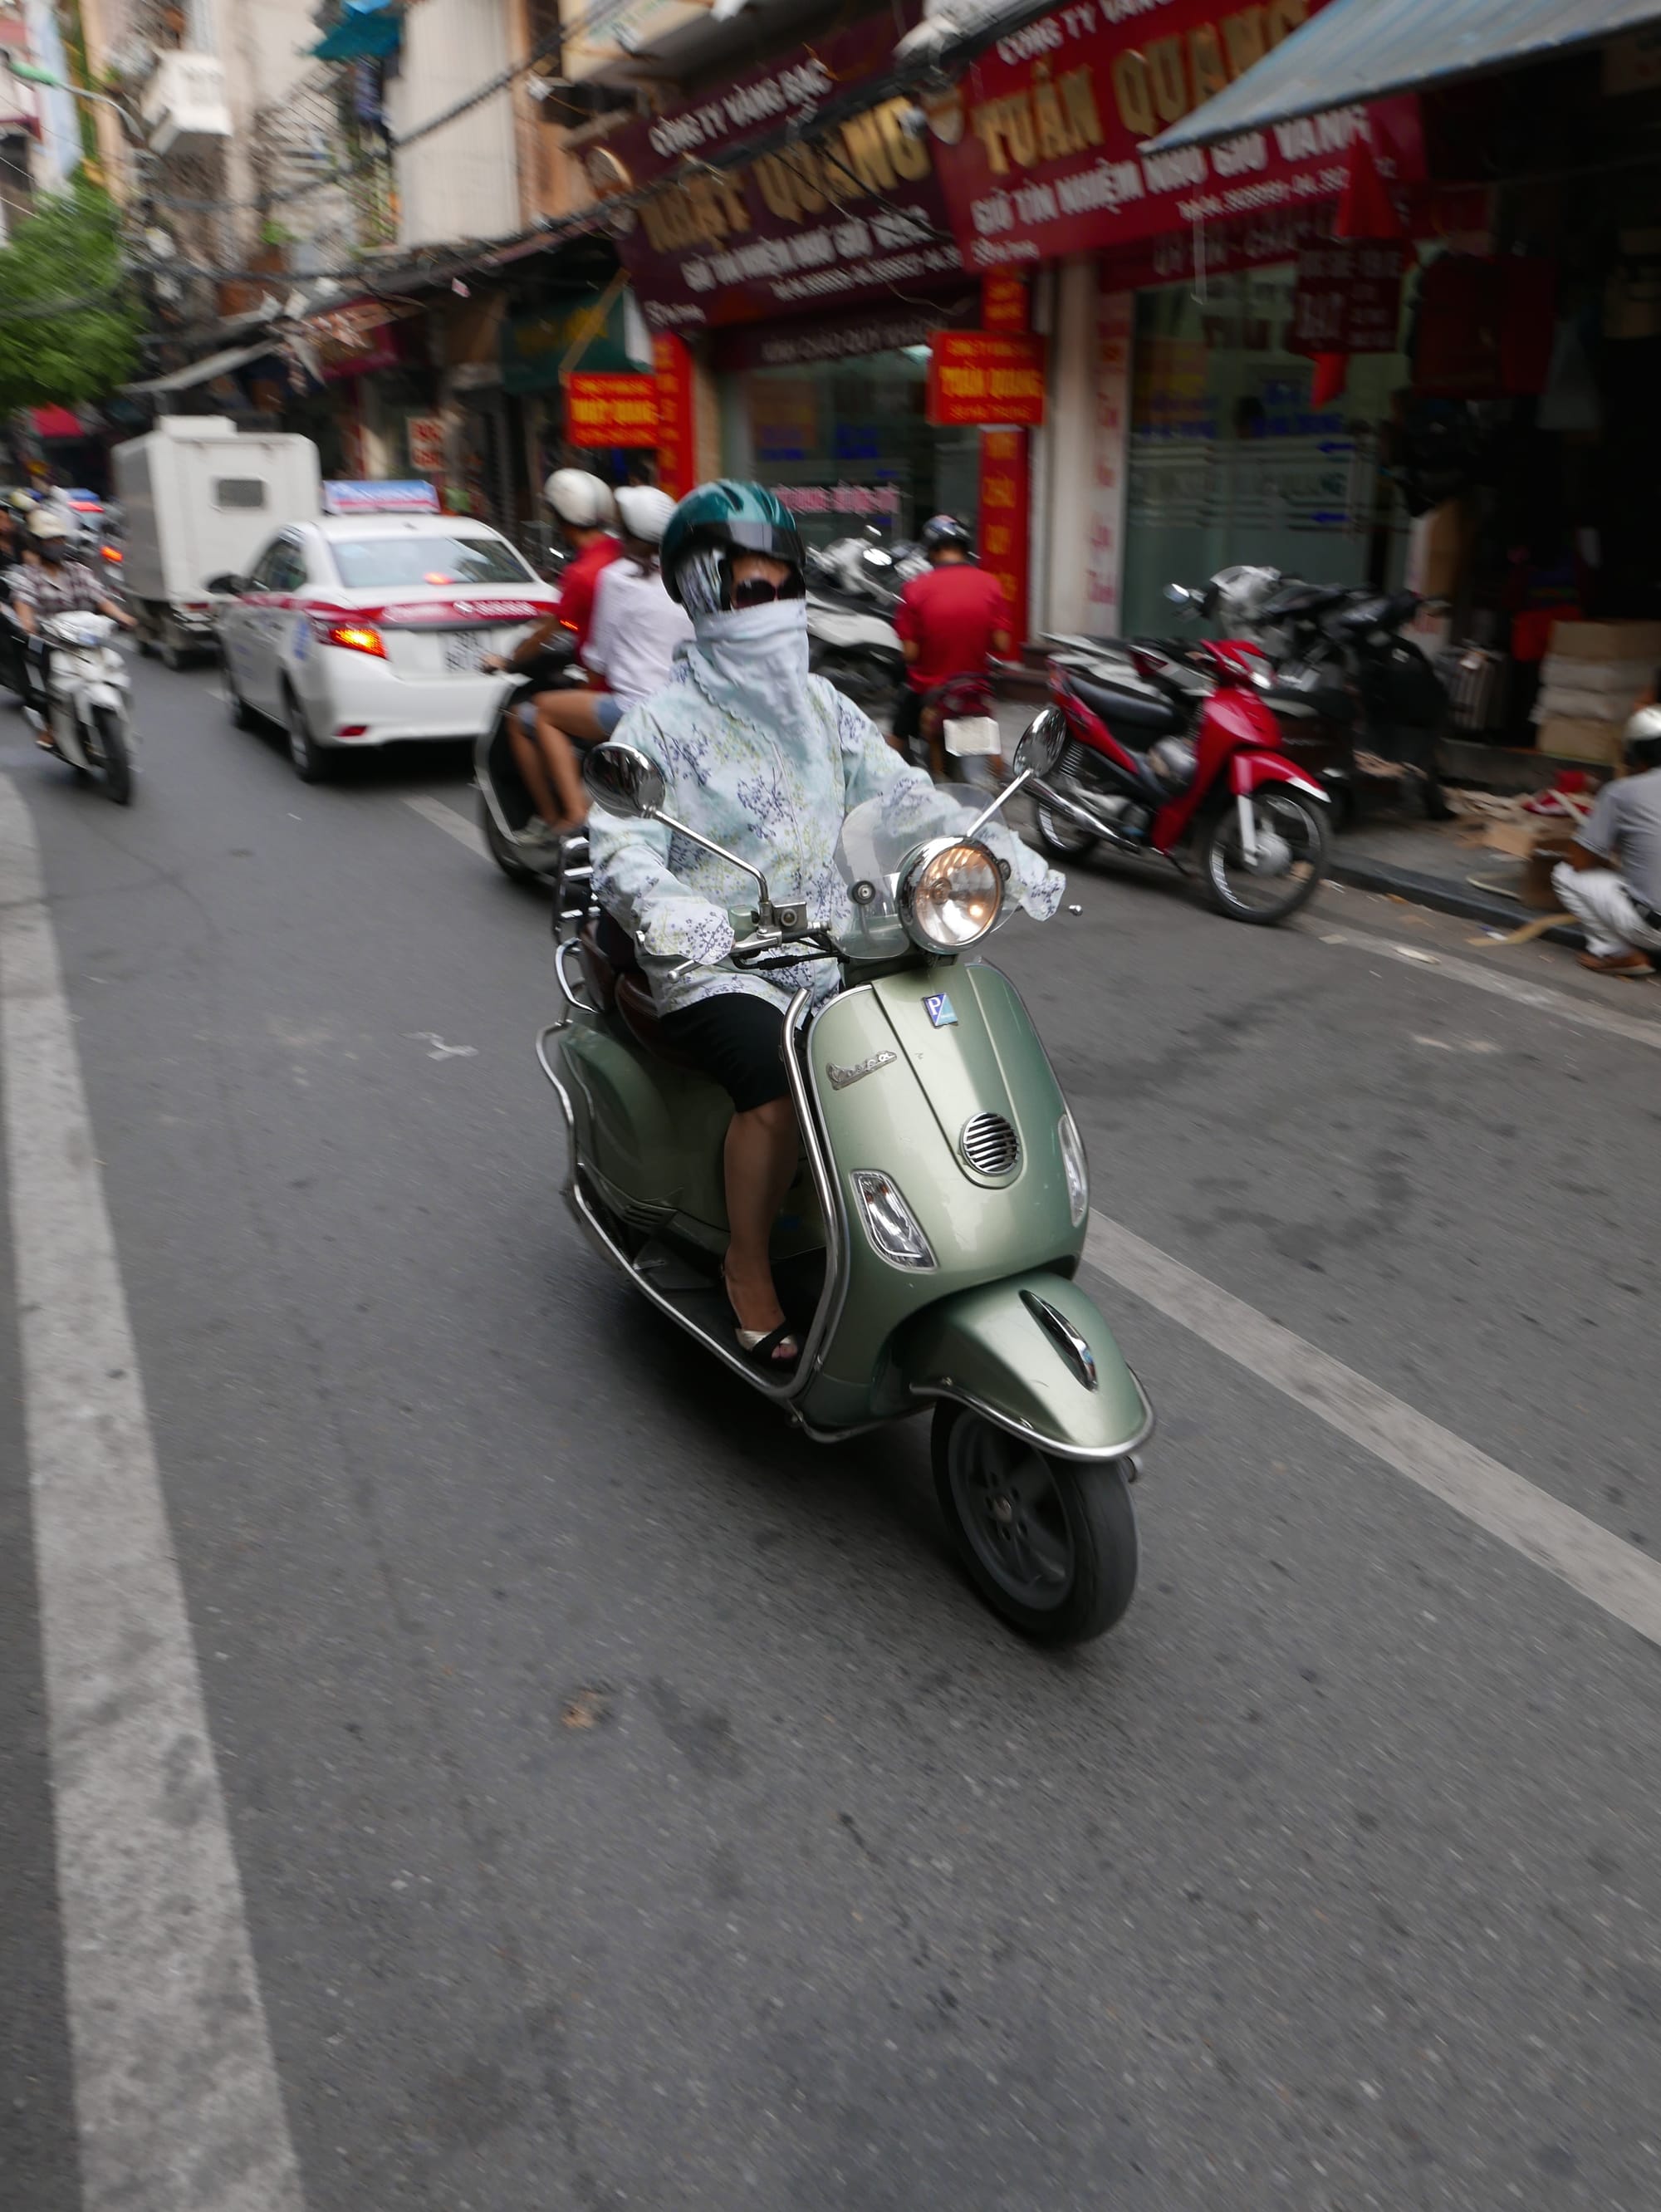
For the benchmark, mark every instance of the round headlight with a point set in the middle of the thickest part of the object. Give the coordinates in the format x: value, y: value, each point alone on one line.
x: 949, y: 894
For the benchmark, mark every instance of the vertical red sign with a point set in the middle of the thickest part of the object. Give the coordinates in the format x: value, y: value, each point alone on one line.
x: 1005, y: 499
x: 677, y: 455
x: 1003, y: 303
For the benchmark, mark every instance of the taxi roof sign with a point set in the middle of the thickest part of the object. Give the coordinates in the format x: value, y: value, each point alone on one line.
x: 368, y: 495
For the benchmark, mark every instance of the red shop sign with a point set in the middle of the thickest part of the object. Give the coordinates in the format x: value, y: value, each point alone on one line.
x: 1349, y: 298
x: 986, y: 376
x: 1038, y: 148
x: 677, y: 459
x: 1005, y: 504
x: 610, y: 411
x: 849, y: 215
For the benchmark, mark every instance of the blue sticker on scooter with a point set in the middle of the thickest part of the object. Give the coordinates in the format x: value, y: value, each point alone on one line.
x: 940, y: 1012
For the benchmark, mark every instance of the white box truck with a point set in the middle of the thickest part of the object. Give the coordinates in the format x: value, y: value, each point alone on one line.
x: 201, y: 498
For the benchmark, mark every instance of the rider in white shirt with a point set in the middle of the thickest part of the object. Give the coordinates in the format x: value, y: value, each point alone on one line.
x: 637, y: 626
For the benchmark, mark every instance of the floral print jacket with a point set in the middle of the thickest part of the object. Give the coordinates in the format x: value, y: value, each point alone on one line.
x: 778, y: 798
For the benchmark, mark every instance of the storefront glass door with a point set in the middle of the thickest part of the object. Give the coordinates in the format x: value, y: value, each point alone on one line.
x: 1230, y: 462
x: 845, y: 443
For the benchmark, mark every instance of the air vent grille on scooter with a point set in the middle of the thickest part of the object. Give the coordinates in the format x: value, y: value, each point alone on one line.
x: 990, y: 1144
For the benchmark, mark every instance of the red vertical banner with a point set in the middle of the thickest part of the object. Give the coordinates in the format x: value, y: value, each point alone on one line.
x: 1003, y: 303
x: 1005, y: 500
x: 677, y: 458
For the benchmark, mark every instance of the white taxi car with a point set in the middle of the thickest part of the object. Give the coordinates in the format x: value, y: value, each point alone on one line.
x: 367, y: 630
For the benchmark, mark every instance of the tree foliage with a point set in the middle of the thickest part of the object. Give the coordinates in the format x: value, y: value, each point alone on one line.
x: 68, y: 323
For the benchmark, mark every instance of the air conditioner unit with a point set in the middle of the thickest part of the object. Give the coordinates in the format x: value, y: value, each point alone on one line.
x: 183, y: 105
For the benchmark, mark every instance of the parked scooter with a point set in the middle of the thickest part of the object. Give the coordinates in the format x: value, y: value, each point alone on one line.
x: 87, y: 710
x: 1346, y: 684
x: 505, y: 810
x: 929, y: 1249
x: 1179, y: 756
x: 856, y: 648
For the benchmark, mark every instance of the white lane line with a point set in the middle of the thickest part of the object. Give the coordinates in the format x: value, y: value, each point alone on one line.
x: 458, y: 826
x: 176, y: 2092
x: 1612, y: 1575
x: 1582, y: 1011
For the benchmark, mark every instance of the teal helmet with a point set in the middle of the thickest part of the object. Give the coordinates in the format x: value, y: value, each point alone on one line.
x: 711, y: 525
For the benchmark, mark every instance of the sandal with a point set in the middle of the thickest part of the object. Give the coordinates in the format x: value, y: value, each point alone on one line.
x: 768, y: 1348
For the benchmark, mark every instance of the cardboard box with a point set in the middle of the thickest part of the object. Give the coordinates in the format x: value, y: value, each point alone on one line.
x: 1567, y: 738
x: 1551, y: 846
x: 1599, y: 640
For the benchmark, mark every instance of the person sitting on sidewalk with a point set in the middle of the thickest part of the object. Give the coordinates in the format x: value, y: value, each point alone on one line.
x: 1611, y: 880
x: 950, y: 622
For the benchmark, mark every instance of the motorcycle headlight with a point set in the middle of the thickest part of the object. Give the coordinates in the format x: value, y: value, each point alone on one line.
x: 889, y: 1222
x: 949, y: 895
x: 1078, y: 1176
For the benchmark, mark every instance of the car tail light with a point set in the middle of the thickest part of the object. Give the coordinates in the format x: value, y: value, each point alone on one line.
x: 352, y: 730
x: 351, y: 637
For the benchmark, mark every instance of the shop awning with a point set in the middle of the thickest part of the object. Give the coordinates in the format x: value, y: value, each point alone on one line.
x: 368, y: 31
x: 201, y: 372
x: 1361, y: 49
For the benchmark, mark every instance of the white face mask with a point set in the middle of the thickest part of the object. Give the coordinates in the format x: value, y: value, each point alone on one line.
x: 753, y: 662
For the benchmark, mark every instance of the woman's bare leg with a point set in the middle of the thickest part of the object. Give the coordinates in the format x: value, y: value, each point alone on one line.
x: 560, y: 716
x: 528, y: 762
x: 762, y: 1150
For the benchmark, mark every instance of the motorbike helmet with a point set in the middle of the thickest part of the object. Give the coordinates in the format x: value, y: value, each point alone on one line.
x: 941, y: 530
x: 582, y: 502
x: 711, y: 524
x: 49, y: 532
x: 643, y: 512
x: 1643, y: 737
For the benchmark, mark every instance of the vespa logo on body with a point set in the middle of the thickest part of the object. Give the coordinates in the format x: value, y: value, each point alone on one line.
x: 841, y: 1077
x: 941, y: 1010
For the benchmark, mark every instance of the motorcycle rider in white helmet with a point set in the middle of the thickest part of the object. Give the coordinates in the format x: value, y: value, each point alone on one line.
x: 584, y: 510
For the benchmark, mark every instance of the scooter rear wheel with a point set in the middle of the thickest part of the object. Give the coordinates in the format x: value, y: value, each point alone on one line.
x: 1051, y: 1544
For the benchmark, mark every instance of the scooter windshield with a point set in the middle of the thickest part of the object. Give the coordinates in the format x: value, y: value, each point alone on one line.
x: 876, y: 840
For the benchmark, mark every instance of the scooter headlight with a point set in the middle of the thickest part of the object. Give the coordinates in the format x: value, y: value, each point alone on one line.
x: 1078, y: 1176
x: 949, y: 894
x: 889, y: 1222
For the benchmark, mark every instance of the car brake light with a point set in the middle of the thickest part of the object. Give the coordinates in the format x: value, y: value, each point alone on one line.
x: 355, y: 637
x: 353, y: 730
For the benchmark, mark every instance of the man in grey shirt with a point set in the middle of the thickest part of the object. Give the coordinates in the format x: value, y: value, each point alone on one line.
x: 1611, y: 880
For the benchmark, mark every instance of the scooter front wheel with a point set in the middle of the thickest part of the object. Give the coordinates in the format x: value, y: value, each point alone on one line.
x: 1051, y: 1544
x: 114, y: 761
x: 1285, y: 870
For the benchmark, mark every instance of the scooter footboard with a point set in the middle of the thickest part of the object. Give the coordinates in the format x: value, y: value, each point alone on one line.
x: 1032, y: 1354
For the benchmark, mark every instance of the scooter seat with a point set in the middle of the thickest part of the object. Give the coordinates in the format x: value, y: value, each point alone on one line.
x: 1132, y: 717
x: 599, y: 968
x: 639, y: 1018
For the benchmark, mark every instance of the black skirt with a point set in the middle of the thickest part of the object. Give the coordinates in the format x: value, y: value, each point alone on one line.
x: 735, y: 1039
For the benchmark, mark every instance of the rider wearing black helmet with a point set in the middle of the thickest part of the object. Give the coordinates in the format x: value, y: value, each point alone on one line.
x: 951, y: 621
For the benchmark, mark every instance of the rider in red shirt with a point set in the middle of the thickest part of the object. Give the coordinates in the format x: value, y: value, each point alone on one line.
x: 950, y: 622
x: 584, y: 510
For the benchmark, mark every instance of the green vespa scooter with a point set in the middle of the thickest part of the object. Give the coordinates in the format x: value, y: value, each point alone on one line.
x: 929, y: 1249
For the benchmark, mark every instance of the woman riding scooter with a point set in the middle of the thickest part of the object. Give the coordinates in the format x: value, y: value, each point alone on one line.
x: 769, y: 760
x: 59, y: 585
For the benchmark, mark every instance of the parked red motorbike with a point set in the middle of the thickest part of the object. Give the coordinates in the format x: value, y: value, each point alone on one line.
x: 1176, y: 754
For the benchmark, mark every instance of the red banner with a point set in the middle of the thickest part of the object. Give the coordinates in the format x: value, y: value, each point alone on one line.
x: 1038, y: 148
x: 677, y: 454
x: 610, y: 411
x: 1003, y: 303
x: 855, y: 214
x: 1005, y: 504
x: 985, y: 376
x: 1348, y: 299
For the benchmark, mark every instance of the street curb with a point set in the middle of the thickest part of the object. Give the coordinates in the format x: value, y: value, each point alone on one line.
x: 1447, y: 897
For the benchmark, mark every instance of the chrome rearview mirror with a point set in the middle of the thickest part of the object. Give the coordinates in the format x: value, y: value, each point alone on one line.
x: 1041, y: 743
x: 624, y: 781
x: 1178, y: 595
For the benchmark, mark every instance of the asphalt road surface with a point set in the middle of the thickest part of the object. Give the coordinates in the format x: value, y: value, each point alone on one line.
x: 580, y: 1793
